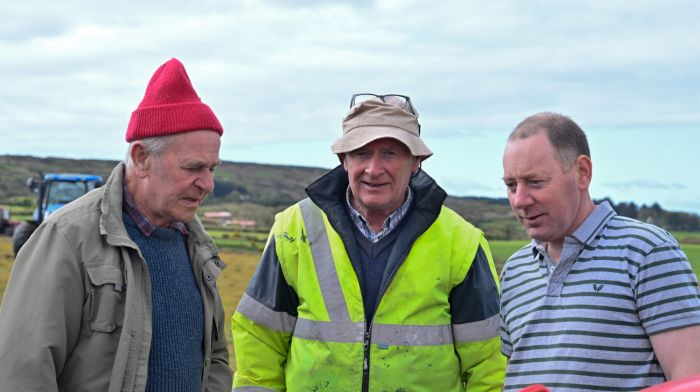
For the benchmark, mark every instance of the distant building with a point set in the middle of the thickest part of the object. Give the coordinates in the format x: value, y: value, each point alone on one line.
x: 245, y: 224
x: 217, y: 217
x: 224, y: 218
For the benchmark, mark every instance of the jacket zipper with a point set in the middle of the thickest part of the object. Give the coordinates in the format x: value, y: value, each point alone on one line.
x: 365, y: 368
x: 368, y: 329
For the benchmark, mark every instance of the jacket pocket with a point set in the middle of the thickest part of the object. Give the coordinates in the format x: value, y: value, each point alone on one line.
x: 107, y: 296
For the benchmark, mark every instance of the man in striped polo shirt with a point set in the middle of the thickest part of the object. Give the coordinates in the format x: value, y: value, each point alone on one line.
x: 596, y: 301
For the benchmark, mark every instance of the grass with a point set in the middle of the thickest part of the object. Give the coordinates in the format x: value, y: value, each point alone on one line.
x: 242, y: 264
x: 243, y: 240
x: 5, y: 262
x: 693, y: 253
x: 687, y: 237
x: 501, y: 250
x: 232, y: 282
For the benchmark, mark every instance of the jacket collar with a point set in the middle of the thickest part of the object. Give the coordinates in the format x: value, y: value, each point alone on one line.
x: 111, y: 224
x: 328, y: 192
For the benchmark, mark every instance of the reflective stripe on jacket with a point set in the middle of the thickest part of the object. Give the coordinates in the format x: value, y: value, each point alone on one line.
x: 301, y: 323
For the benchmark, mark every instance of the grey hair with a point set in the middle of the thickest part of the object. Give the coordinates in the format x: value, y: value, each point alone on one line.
x: 155, y: 146
x: 567, y: 138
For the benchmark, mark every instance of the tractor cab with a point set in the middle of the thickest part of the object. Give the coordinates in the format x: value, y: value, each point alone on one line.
x: 54, y: 190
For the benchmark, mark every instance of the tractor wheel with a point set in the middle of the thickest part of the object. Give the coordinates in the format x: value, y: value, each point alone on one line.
x: 21, y: 235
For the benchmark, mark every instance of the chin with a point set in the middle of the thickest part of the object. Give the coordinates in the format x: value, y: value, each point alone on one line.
x: 186, y: 218
x: 537, y: 235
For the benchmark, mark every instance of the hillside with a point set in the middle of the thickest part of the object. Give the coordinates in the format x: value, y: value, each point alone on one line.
x: 257, y: 191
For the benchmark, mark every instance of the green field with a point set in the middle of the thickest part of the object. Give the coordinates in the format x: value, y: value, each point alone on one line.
x: 685, y: 237
x: 242, y: 264
x: 231, y: 283
x: 693, y: 253
x: 501, y: 250
x: 243, y: 240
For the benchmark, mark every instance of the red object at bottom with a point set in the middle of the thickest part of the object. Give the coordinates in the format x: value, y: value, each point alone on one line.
x: 535, y: 388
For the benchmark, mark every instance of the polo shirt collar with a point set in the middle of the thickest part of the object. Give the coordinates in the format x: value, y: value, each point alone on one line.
x: 586, y: 232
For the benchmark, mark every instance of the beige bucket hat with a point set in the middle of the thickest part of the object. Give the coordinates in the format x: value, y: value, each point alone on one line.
x: 373, y: 119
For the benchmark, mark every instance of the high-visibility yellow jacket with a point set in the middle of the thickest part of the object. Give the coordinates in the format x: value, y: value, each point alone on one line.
x: 300, y: 326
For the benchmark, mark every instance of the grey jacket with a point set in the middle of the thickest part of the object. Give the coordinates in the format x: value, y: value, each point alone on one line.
x: 76, y: 313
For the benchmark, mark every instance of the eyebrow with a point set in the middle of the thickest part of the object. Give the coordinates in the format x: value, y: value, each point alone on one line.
x: 528, y: 175
x: 198, y: 162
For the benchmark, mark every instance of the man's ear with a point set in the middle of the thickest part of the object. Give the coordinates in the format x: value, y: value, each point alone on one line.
x: 584, y: 170
x: 140, y: 158
x: 341, y: 158
x: 416, y: 164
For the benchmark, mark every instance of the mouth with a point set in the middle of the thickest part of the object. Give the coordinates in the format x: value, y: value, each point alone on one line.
x: 373, y: 185
x: 192, y: 201
x: 531, y: 220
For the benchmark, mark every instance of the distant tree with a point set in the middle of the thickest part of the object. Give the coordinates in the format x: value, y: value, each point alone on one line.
x: 224, y: 188
x: 679, y: 221
x: 627, y: 209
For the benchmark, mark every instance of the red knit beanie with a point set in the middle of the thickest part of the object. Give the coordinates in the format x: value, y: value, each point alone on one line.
x: 170, y: 106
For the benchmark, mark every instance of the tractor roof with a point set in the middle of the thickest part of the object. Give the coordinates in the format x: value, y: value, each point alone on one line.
x: 71, y: 177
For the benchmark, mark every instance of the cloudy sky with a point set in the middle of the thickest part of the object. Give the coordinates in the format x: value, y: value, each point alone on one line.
x: 279, y: 74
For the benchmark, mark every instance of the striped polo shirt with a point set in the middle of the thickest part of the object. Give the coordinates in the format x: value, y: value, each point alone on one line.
x: 584, y: 325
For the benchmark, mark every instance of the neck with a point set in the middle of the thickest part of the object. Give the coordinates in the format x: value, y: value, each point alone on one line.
x: 375, y: 221
x: 555, y: 247
x: 554, y: 250
x: 375, y: 218
x: 137, y: 196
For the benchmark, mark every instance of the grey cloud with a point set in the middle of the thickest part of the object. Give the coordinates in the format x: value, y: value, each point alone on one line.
x: 278, y: 70
x: 645, y: 184
x: 464, y: 186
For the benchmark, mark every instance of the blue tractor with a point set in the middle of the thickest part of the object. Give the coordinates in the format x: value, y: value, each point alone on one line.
x: 53, y: 191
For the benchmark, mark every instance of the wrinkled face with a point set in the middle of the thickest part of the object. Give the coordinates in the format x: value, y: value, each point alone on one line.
x: 546, y: 198
x: 379, y: 173
x: 175, y: 183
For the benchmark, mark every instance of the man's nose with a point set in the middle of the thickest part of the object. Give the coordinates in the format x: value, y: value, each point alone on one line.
x: 205, y: 181
x: 521, y: 198
x: 375, y: 166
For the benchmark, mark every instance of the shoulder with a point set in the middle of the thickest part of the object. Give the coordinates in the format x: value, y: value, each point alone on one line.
x: 641, y: 248
x: 521, y: 258
x: 74, y: 227
x: 291, y: 213
x: 630, y: 231
x: 290, y: 223
x: 85, y: 204
x: 450, y: 217
x: 524, y: 253
x: 80, y: 212
x: 452, y: 228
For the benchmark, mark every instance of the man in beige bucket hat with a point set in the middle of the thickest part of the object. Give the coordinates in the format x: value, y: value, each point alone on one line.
x: 371, y: 283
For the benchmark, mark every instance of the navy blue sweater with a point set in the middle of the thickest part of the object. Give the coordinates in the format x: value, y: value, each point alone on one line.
x: 176, y: 358
x: 374, y: 260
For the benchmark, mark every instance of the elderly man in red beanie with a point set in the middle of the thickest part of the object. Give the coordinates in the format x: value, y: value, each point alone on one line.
x: 371, y: 284
x: 116, y: 291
